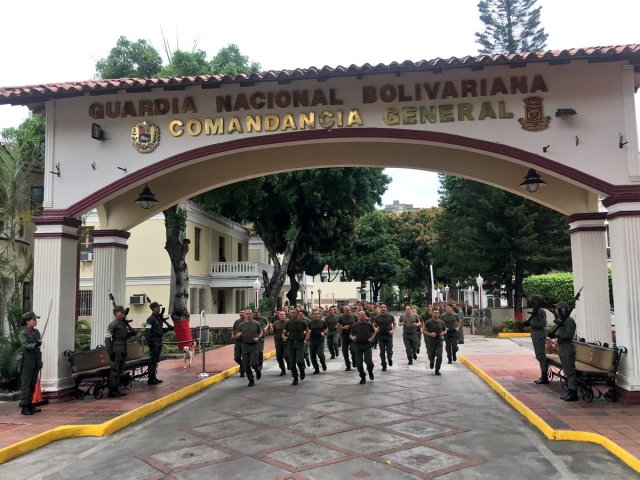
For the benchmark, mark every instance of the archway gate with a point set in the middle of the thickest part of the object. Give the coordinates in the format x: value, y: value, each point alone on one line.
x: 568, y: 114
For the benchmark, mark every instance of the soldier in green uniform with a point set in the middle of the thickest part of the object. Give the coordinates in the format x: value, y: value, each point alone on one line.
x: 433, y: 331
x: 317, y: 332
x: 296, y: 334
x: 115, y: 342
x: 333, y: 334
x: 282, y: 354
x: 264, y: 323
x: 362, y: 334
x: 29, y: 361
x: 302, y: 314
x: 237, y: 347
x: 567, y: 350
x: 410, y: 324
x: 453, y: 325
x: 386, y: 325
x: 249, y: 332
x: 345, y: 322
x: 153, y: 332
x: 538, y: 322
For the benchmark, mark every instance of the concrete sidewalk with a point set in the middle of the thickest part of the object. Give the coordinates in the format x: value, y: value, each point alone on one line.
x: 406, y: 401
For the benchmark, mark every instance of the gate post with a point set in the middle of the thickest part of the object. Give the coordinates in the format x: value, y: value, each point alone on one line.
x: 589, y: 259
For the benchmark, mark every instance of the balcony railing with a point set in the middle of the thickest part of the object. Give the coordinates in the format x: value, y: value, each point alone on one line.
x: 239, y: 269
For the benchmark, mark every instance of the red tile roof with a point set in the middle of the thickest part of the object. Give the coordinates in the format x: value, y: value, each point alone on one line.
x: 29, y: 94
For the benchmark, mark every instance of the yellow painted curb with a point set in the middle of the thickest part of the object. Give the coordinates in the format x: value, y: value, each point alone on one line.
x: 115, y: 424
x: 549, y: 432
x: 514, y: 335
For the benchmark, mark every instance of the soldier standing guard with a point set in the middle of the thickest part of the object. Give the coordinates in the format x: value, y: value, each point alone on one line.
x: 296, y: 333
x: 249, y: 333
x: 116, y: 344
x: 29, y: 361
x: 538, y: 322
x: 362, y: 334
x: 433, y: 330
x: 567, y: 350
x: 153, y: 332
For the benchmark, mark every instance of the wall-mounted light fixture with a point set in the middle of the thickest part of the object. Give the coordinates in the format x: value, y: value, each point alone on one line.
x: 532, y: 181
x: 565, y: 112
x: 146, y: 199
x: 97, y: 133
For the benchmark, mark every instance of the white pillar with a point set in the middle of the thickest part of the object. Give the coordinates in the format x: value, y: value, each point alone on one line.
x: 589, y: 259
x: 109, y: 276
x: 55, y: 286
x: 624, y: 237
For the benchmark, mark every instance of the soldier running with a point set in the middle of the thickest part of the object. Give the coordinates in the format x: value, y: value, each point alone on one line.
x: 410, y: 324
x: 386, y: 324
x: 296, y: 333
x: 317, y: 332
x: 362, y: 335
x: 345, y: 322
x: 237, y: 347
x: 282, y: 353
x: 333, y: 334
x: 453, y: 324
x: 249, y: 333
x: 433, y: 331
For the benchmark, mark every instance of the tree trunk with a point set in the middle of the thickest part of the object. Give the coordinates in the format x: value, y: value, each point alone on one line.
x: 292, y: 294
x: 376, y: 290
x: 177, y: 248
x: 517, y: 296
x: 279, y: 268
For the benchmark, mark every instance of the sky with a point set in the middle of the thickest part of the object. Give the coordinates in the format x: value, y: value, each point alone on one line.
x: 44, y: 43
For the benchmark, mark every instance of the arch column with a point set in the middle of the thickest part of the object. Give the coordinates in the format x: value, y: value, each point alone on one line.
x: 55, y: 266
x: 109, y: 276
x: 624, y: 237
x: 589, y: 260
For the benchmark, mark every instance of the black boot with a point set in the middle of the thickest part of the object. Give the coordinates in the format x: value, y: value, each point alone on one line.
x: 282, y: 373
x: 34, y: 409
x: 571, y: 396
x: 324, y: 366
x: 363, y: 380
x: 295, y: 381
x: 542, y: 381
x: 26, y: 410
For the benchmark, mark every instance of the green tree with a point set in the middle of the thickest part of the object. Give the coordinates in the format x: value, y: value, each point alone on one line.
x: 415, y: 234
x: 510, y: 26
x: 374, y: 255
x: 140, y: 59
x: 229, y: 59
x: 186, y: 64
x: 484, y: 229
x: 297, y: 212
x: 130, y: 60
x: 20, y: 160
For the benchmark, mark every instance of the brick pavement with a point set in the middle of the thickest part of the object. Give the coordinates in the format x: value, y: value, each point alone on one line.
x: 15, y: 427
x: 511, y: 363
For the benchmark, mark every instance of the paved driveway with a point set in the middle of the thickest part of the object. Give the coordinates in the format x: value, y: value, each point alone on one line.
x: 406, y: 424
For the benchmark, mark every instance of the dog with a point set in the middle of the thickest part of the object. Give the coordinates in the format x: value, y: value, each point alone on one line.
x: 188, y: 355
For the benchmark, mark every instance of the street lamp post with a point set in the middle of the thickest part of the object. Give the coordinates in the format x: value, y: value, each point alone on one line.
x: 446, y: 293
x: 256, y: 292
x: 333, y: 296
x: 319, y: 297
x: 458, y: 288
x: 479, y: 282
x: 438, y: 296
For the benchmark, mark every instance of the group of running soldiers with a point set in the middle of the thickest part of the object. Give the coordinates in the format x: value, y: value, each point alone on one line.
x: 300, y: 341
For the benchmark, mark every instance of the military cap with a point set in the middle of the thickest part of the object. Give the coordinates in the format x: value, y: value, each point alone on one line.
x: 119, y: 308
x: 29, y: 316
x: 153, y: 305
x: 562, y: 305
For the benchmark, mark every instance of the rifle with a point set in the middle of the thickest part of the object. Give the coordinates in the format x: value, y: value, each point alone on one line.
x: 533, y: 314
x: 170, y: 328
x: 131, y: 331
x: 559, y: 323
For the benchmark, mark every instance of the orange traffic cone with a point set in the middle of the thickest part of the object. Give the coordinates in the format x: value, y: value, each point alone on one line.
x: 37, y: 395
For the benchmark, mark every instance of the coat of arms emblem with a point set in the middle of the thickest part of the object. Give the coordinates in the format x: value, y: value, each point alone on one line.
x: 145, y: 137
x: 534, y: 119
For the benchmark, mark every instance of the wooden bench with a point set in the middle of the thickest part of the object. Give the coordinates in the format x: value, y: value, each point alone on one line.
x: 596, y: 367
x: 90, y: 369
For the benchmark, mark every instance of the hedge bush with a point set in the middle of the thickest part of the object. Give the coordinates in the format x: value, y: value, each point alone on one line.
x: 554, y: 288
